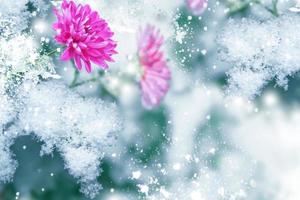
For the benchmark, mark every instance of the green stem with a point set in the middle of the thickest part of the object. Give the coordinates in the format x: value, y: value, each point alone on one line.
x: 76, y: 76
x: 273, y: 10
x: 73, y: 85
x: 52, y: 52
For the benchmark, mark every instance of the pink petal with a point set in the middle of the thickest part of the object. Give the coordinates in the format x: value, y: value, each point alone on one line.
x: 78, y: 62
x: 88, y: 66
x: 66, y: 55
x: 156, y: 77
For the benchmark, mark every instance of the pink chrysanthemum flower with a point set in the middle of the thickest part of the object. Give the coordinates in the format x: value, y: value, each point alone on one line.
x: 197, y: 7
x: 156, y: 74
x: 86, y: 36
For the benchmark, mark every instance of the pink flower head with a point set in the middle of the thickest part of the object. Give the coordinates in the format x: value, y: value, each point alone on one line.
x: 87, y: 36
x: 197, y: 7
x: 156, y: 74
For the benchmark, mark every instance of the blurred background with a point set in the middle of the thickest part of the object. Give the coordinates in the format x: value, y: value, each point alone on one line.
x: 196, y: 145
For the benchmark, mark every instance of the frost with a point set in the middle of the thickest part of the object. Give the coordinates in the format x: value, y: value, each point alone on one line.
x: 260, y: 52
x: 18, y: 51
x: 282, y: 128
x: 6, y: 107
x: 7, y: 164
x: 78, y: 128
x: 25, y: 59
x: 14, y: 15
x: 83, y: 163
x: 246, y: 82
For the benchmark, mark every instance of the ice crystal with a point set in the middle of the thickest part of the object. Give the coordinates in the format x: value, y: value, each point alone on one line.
x: 260, y: 52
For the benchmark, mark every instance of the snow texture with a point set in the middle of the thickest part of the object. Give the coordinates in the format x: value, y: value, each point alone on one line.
x: 260, y: 52
x: 6, y: 108
x: 281, y: 155
x: 79, y: 128
x: 25, y: 61
x: 7, y: 113
x: 14, y: 15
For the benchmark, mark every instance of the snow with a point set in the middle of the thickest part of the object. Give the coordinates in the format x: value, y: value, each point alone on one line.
x: 6, y: 107
x: 275, y: 147
x: 14, y: 16
x: 260, y: 52
x: 7, y: 164
x: 79, y: 128
x: 26, y: 60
